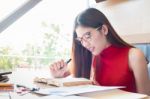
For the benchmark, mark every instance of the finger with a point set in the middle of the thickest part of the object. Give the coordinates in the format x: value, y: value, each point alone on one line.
x: 62, y: 64
x: 58, y: 65
x: 55, y: 66
x: 51, y: 67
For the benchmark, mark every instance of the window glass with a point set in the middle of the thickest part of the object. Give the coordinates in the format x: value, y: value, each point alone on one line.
x: 41, y: 36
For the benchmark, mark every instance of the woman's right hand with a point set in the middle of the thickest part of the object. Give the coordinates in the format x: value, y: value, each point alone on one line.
x: 58, y: 69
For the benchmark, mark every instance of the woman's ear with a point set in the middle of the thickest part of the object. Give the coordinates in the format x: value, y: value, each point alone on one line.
x: 104, y: 29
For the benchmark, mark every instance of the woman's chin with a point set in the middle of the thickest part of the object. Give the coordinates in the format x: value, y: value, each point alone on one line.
x: 95, y: 53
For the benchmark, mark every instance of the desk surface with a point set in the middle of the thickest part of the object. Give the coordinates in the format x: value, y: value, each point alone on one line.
x: 111, y: 94
x: 25, y: 76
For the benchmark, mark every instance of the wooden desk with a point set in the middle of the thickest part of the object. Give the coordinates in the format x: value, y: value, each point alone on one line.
x: 25, y: 76
x: 114, y: 94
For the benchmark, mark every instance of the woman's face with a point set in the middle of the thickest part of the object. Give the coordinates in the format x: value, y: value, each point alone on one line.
x: 93, y: 39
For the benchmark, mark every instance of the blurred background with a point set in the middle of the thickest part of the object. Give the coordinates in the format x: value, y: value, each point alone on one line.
x: 35, y: 33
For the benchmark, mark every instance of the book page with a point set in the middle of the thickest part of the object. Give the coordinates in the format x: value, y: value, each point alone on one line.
x: 65, y: 91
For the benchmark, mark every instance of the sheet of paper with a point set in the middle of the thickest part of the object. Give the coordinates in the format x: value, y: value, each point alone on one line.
x: 65, y: 91
x: 64, y: 97
x: 4, y: 95
x: 33, y: 96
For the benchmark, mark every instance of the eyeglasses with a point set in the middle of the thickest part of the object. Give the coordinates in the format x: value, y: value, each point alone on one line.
x: 87, y: 37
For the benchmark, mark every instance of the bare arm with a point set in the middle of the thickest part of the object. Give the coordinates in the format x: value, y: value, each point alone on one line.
x: 138, y: 65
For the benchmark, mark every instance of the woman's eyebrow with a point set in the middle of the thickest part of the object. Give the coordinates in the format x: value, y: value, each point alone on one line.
x: 87, y: 32
x: 82, y: 35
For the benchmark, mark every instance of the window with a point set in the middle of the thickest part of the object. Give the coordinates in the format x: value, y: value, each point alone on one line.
x: 41, y: 36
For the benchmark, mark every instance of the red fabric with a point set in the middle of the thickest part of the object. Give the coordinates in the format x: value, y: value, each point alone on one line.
x: 112, y: 68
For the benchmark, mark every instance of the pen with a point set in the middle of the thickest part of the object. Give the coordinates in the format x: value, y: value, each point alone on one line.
x: 31, y: 89
x: 68, y: 61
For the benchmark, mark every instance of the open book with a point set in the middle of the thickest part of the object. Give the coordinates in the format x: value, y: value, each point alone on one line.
x: 63, y: 81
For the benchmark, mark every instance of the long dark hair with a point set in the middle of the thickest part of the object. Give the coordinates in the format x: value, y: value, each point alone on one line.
x: 82, y: 58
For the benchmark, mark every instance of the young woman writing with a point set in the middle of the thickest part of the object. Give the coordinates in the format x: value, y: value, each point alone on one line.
x: 99, y: 53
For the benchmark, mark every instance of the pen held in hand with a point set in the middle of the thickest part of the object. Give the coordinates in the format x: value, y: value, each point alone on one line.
x: 68, y: 61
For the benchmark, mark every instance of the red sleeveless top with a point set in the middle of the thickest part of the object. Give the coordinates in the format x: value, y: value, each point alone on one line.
x: 112, y: 68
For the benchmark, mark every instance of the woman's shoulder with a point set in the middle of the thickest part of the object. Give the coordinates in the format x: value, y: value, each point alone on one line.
x: 136, y: 58
x: 135, y: 53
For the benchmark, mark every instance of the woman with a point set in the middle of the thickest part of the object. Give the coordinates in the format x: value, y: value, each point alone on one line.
x: 99, y: 53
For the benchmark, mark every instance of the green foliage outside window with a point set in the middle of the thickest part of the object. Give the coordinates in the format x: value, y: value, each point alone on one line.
x: 52, y: 48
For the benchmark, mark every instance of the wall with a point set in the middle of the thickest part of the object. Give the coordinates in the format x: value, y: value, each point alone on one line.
x: 130, y: 18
